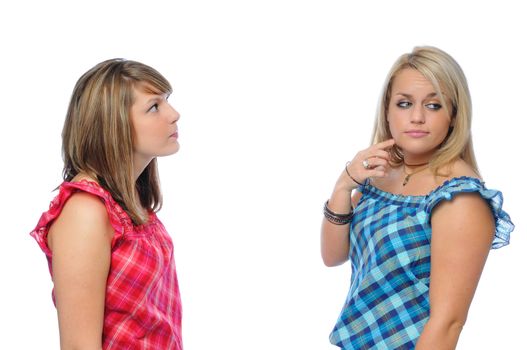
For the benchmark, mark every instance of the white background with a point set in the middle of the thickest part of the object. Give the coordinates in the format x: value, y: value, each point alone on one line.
x: 275, y: 97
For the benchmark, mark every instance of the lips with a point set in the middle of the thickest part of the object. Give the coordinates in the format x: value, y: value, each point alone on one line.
x: 416, y: 133
x: 174, y: 135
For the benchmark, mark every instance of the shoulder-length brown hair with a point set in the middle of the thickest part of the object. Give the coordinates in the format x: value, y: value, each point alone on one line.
x: 97, y: 137
x: 450, y: 83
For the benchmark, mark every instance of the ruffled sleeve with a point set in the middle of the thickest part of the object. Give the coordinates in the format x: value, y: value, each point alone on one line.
x: 119, y: 220
x: 494, y: 198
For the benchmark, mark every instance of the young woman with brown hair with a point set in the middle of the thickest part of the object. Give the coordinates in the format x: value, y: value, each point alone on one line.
x: 111, y: 259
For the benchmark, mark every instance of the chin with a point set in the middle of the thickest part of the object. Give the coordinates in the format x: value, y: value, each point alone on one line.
x: 170, y: 151
x: 417, y: 146
x: 419, y: 151
x: 174, y: 151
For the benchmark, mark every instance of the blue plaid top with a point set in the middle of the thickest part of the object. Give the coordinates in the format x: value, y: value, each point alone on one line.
x: 387, y: 305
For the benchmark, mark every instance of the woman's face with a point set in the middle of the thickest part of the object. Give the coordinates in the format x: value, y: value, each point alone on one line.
x: 417, y: 119
x: 155, y: 131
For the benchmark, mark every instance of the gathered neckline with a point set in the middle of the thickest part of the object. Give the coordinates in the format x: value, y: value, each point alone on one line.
x: 418, y: 198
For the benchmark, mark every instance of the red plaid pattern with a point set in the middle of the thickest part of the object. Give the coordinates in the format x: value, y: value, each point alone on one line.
x: 143, y: 305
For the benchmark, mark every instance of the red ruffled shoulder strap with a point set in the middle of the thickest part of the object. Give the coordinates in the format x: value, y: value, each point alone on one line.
x: 119, y: 220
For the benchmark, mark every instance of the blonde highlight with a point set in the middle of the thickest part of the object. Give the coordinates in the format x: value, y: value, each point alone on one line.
x: 97, y: 137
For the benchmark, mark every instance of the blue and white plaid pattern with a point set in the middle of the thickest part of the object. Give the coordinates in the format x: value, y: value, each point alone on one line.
x: 387, y: 304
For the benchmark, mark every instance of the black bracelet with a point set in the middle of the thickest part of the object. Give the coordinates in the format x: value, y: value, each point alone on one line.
x: 351, y: 177
x: 337, y: 219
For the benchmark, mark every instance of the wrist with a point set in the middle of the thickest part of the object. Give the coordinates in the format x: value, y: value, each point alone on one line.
x: 344, y: 185
x: 357, y: 182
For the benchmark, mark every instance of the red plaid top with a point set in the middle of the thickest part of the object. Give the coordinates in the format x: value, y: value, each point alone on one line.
x: 143, y: 305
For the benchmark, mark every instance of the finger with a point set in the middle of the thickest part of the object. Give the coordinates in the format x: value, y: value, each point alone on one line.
x: 385, y: 144
x: 377, y: 150
x: 374, y: 162
x: 380, y: 154
x: 379, y: 171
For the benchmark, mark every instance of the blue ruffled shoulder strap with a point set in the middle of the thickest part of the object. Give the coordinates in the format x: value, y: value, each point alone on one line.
x: 452, y: 187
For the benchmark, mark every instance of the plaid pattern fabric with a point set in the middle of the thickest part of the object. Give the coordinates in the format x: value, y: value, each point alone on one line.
x: 143, y: 305
x: 387, y: 305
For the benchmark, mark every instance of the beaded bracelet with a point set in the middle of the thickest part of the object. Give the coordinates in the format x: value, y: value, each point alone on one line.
x: 337, y: 219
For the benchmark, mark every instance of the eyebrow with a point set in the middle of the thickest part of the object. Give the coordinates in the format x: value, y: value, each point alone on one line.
x: 432, y: 94
x: 156, y: 98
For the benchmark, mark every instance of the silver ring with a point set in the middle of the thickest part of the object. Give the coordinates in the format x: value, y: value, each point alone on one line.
x: 365, y: 164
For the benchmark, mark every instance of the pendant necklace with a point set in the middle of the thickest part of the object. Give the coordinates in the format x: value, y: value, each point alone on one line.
x: 407, y: 177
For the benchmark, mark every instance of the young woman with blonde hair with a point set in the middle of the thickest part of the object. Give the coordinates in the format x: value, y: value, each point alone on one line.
x: 412, y: 214
x: 111, y: 259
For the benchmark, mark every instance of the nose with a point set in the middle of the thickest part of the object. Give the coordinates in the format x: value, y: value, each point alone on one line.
x: 418, y: 115
x: 174, y: 115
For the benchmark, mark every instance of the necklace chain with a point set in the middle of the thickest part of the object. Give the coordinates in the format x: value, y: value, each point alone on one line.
x: 408, y: 176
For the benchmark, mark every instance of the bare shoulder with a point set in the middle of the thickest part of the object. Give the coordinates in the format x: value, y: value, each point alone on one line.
x: 84, y: 217
x: 465, y: 206
x: 460, y: 168
x: 84, y: 177
x: 466, y: 210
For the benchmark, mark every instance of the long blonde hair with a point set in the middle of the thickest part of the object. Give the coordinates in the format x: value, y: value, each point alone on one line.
x: 450, y: 83
x: 97, y: 138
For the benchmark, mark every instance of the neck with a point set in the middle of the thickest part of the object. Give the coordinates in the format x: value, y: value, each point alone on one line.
x: 413, y: 159
x: 139, y: 166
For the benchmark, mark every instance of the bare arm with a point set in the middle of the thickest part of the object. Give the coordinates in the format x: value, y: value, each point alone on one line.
x: 334, y: 239
x: 462, y: 233
x: 80, y: 240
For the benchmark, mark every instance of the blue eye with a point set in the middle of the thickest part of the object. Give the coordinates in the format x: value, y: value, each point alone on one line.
x: 434, y: 106
x: 404, y: 104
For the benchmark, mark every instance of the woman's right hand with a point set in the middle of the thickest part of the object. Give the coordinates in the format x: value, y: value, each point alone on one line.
x: 370, y: 162
x: 335, y: 238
